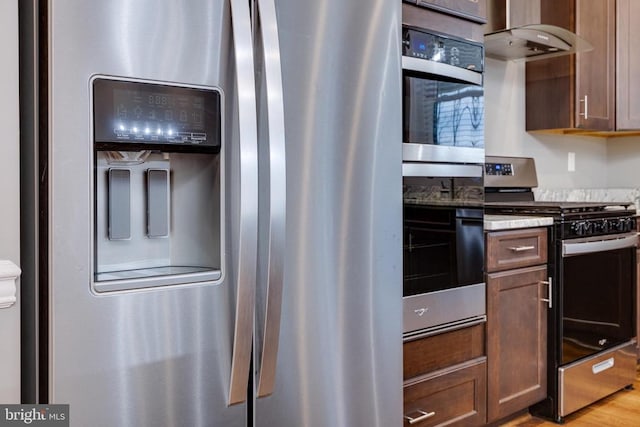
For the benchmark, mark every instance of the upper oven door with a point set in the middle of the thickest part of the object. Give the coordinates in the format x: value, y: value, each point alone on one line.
x: 443, y: 110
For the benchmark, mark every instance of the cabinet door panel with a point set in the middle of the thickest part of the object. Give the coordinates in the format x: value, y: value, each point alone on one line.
x: 627, y: 60
x: 595, y: 69
x: 516, y: 340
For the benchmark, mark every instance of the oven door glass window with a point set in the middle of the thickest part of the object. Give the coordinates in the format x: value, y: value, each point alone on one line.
x: 597, y: 292
x: 439, y: 112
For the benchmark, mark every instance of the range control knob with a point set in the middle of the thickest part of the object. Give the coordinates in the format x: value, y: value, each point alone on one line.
x: 588, y: 227
x: 579, y: 228
x: 604, y: 226
x: 619, y: 224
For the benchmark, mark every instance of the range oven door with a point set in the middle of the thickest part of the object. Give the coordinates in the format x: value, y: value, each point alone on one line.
x: 598, y: 277
x: 443, y: 245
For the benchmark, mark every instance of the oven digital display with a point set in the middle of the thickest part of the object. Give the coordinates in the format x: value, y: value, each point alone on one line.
x: 136, y: 112
x: 501, y: 169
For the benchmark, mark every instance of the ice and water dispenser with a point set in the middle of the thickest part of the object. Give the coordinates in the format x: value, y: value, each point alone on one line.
x: 157, y: 184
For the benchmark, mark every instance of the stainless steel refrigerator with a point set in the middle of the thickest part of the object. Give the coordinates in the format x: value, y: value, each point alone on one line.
x: 211, y: 204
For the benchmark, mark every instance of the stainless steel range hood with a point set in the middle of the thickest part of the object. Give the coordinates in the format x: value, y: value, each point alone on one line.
x: 531, y: 42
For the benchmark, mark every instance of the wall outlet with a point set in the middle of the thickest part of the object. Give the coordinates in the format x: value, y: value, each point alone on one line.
x: 571, y: 162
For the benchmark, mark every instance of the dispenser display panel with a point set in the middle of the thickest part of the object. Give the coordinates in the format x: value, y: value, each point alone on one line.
x: 131, y: 112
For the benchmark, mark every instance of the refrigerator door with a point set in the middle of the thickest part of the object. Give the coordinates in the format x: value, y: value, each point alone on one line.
x: 340, y: 355
x: 166, y: 355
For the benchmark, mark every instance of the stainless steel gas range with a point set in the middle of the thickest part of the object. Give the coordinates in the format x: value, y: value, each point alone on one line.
x: 592, y: 264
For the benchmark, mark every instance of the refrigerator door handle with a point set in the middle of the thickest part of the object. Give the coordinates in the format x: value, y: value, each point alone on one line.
x: 248, y: 226
x: 277, y: 197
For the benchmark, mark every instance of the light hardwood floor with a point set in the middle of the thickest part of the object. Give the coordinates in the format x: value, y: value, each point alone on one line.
x: 621, y: 409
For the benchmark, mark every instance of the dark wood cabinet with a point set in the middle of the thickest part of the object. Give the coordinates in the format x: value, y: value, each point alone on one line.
x: 445, y: 379
x: 446, y: 23
x: 627, y: 65
x: 575, y: 92
x: 516, y: 340
x: 517, y: 294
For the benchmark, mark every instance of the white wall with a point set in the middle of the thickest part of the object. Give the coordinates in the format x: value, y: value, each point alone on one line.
x: 9, y: 196
x: 623, y: 156
x: 505, y: 134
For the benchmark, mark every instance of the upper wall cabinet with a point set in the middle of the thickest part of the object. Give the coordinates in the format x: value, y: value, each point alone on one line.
x: 576, y: 93
x: 628, y: 65
x: 591, y: 92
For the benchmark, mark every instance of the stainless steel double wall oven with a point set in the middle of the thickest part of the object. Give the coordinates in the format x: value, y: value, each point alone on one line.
x: 443, y: 156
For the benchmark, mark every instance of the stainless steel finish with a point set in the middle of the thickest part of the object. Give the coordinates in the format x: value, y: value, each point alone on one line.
x: 340, y: 357
x: 158, y: 203
x: 248, y: 228
x: 549, y: 299
x: 451, y: 326
x: 119, y: 204
x: 163, y: 356
x: 442, y: 69
x: 585, y: 101
x: 532, y: 42
x: 438, y: 308
x: 412, y: 152
x: 521, y: 248
x: 277, y: 199
x: 156, y: 357
x: 593, y: 378
x: 111, y: 282
x: 598, y: 244
x: 524, y: 173
x: 441, y: 170
x: 603, y: 366
x: 424, y: 416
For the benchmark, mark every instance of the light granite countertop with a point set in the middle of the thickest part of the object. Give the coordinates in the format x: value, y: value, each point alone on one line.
x: 508, y: 222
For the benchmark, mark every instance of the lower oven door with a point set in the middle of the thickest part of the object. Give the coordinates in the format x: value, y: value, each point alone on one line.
x: 598, y: 293
x: 443, y: 245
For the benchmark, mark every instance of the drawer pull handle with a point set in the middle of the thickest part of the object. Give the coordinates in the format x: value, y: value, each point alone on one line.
x: 522, y: 248
x: 602, y: 366
x: 422, y: 417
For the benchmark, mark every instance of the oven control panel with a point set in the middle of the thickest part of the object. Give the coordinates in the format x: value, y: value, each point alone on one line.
x: 598, y: 227
x: 498, y: 169
x: 445, y: 49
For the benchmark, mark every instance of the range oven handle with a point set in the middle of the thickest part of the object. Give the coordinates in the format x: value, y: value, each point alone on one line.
x: 580, y: 248
x: 248, y: 195
x: 441, y: 69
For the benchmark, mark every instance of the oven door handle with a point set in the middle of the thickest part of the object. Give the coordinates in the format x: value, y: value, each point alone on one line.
x: 441, y: 69
x: 441, y: 170
x: 579, y: 248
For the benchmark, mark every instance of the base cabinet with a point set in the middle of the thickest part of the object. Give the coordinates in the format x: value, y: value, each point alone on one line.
x: 517, y: 303
x: 445, y: 379
x: 516, y: 340
x: 449, y: 397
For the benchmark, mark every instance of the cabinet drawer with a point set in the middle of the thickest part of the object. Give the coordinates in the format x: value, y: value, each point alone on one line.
x: 457, y: 394
x: 443, y: 350
x: 516, y: 248
x: 593, y: 378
